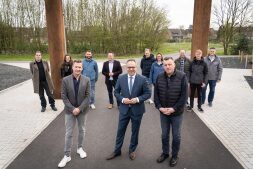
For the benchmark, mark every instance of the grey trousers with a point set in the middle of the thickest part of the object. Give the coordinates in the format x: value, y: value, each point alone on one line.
x: 70, y: 122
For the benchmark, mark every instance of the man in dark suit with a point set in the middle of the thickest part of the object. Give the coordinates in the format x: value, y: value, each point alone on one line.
x: 111, y: 70
x: 131, y: 90
x: 75, y: 93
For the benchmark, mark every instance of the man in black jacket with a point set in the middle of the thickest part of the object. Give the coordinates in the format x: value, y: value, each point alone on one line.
x: 111, y: 70
x: 146, y: 63
x: 171, y: 93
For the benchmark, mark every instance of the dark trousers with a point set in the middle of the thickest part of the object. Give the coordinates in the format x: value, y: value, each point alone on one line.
x: 175, y: 122
x: 110, y: 84
x: 44, y: 86
x: 212, y: 84
x: 193, y: 89
x: 122, y: 126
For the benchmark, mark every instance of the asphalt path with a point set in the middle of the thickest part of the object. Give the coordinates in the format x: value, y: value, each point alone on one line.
x: 200, y: 149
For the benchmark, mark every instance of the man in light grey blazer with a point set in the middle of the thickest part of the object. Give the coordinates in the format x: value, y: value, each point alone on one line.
x: 75, y: 93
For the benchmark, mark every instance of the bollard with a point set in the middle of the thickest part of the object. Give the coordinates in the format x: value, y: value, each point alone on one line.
x: 246, y: 61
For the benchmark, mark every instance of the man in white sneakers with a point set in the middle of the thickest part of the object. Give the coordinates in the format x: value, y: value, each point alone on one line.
x: 75, y: 93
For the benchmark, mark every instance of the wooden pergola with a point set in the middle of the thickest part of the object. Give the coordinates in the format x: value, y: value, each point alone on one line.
x: 55, y: 28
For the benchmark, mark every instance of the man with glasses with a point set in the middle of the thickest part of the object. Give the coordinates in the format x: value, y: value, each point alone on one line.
x: 171, y: 92
x: 215, y: 69
x: 131, y: 91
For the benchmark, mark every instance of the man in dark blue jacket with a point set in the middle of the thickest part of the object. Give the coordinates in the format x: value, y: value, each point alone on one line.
x: 171, y: 92
x: 131, y: 91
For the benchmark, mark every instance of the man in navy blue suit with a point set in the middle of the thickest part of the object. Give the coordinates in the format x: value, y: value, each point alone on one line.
x: 131, y: 91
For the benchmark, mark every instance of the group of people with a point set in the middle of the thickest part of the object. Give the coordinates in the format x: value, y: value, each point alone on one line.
x: 170, y: 79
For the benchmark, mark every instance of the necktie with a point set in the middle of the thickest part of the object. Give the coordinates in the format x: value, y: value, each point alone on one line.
x: 131, y: 84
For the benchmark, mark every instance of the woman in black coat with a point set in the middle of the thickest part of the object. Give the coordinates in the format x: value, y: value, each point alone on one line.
x: 66, y: 67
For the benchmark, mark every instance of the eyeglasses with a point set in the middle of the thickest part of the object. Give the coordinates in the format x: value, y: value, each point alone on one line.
x: 131, y: 67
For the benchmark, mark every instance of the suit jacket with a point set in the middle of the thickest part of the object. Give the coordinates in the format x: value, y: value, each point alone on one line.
x: 140, y: 89
x: 35, y: 76
x: 117, y: 70
x: 68, y: 94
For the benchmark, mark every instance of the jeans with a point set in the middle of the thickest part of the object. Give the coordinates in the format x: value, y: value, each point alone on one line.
x: 44, y: 86
x: 92, y: 91
x: 70, y: 122
x: 175, y: 122
x: 212, y: 84
x: 122, y: 126
x: 150, y: 85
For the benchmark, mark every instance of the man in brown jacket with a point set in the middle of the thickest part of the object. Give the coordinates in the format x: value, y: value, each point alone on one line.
x: 42, y: 81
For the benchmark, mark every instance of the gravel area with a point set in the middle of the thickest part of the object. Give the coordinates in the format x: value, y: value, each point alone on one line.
x: 12, y: 75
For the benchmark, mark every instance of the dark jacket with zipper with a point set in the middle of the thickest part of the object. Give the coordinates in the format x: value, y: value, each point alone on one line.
x: 171, y: 91
x: 198, y: 72
x: 146, y: 63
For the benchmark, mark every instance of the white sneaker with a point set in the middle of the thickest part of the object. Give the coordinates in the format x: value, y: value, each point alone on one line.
x: 92, y: 106
x: 151, y: 101
x: 82, y: 153
x: 64, y: 161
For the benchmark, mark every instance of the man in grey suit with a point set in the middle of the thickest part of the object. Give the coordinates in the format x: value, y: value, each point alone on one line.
x: 75, y: 93
x: 131, y: 91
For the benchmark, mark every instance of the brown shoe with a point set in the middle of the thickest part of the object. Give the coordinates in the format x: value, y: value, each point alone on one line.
x: 112, y: 156
x: 110, y: 106
x: 132, y: 155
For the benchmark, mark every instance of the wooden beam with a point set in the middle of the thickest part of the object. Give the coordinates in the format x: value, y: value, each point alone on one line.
x: 201, y: 23
x: 56, y: 48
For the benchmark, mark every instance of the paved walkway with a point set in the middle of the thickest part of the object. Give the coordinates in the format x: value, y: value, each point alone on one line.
x: 230, y: 119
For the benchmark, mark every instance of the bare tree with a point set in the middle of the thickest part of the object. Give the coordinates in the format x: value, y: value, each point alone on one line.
x: 230, y: 15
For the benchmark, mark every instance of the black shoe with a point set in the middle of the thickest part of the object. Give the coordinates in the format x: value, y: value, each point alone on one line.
x: 54, y: 108
x: 173, y: 161
x: 189, y: 108
x: 162, y: 158
x: 43, y: 109
x: 210, y: 104
x: 112, y: 156
x: 200, y: 109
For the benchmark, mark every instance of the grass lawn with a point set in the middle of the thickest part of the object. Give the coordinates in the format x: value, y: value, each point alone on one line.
x: 165, y: 48
x: 168, y: 48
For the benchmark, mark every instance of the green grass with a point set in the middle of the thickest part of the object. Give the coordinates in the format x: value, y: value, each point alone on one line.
x: 165, y: 48
x: 169, y: 48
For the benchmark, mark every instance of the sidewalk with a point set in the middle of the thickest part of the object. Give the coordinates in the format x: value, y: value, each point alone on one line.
x: 231, y: 117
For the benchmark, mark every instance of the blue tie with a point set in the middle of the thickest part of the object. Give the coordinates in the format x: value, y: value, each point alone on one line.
x: 131, y: 84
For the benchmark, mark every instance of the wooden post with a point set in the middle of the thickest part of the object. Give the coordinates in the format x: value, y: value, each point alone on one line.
x: 201, y: 22
x: 56, y: 49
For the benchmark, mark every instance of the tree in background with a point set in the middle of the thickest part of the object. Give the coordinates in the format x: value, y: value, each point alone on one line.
x: 122, y: 26
x: 230, y: 15
x: 241, y: 44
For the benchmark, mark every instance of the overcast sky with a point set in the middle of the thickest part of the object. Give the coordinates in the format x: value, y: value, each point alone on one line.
x: 180, y: 12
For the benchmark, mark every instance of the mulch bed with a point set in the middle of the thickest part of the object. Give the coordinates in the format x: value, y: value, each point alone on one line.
x: 12, y: 75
